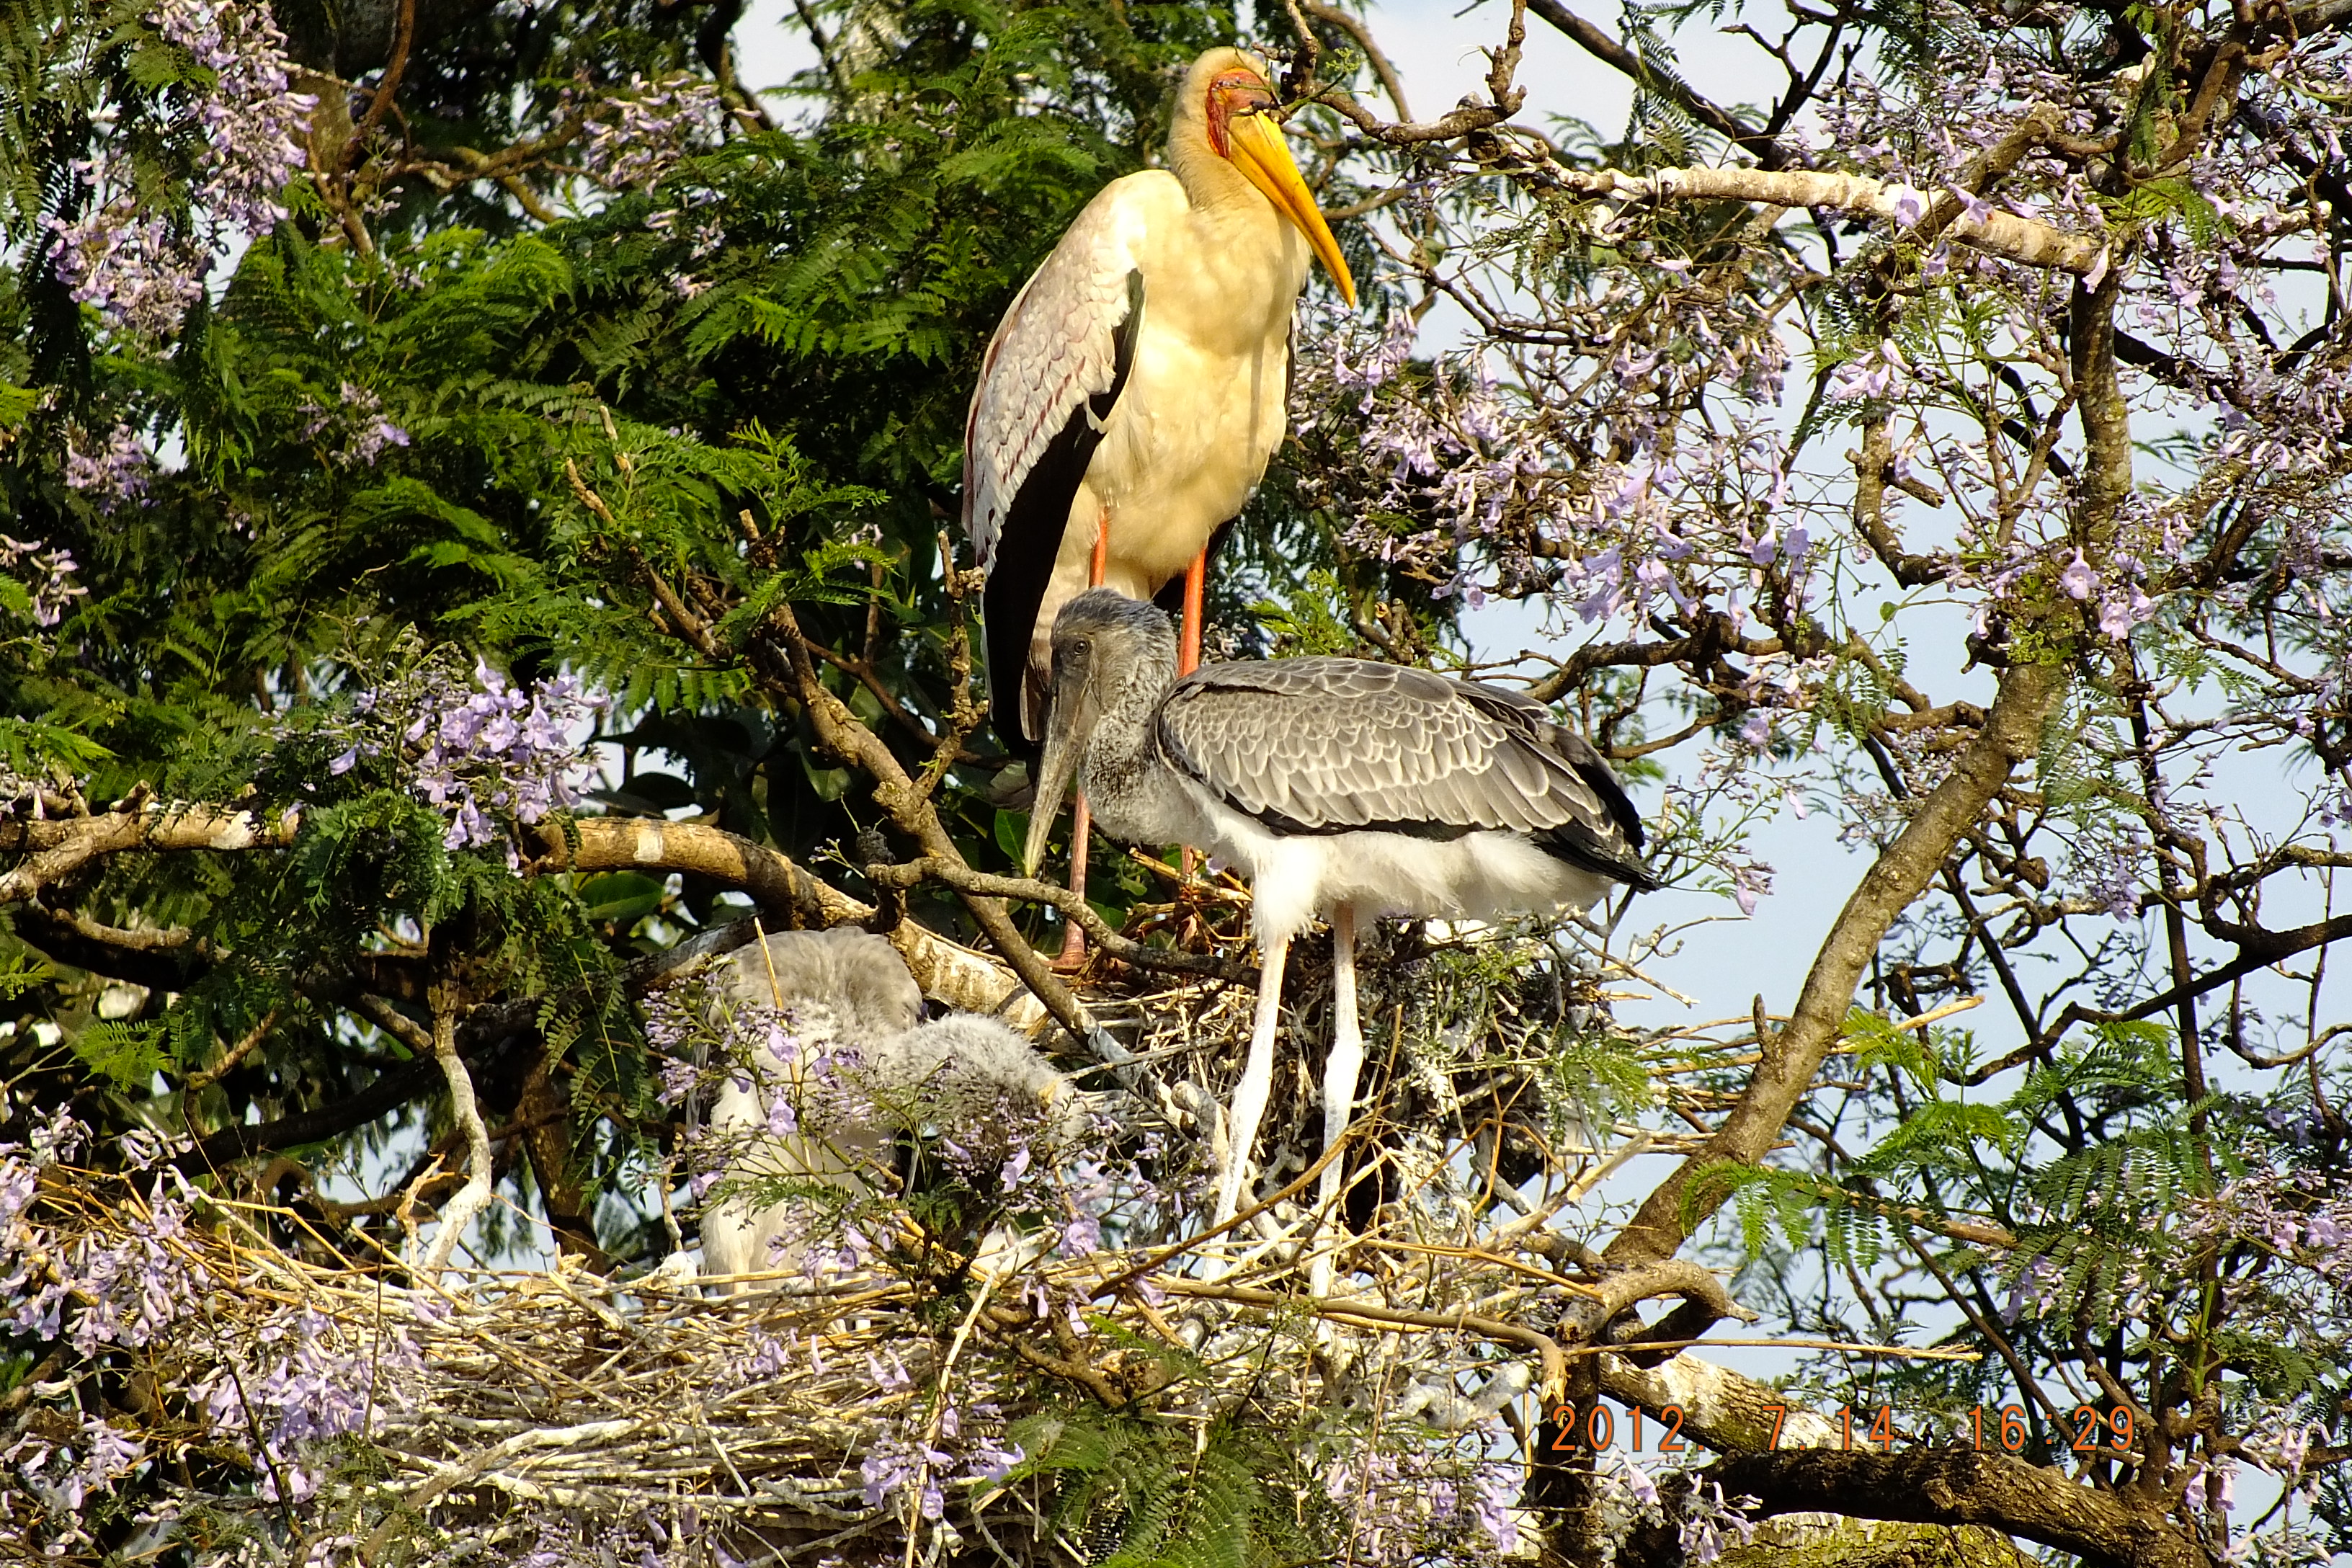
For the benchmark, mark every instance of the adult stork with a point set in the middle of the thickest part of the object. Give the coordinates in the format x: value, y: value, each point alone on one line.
x: 1338, y: 785
x: 1134, y: 389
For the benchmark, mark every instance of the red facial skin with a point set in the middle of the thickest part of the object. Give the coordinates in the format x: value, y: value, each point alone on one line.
x: 1234, y: 92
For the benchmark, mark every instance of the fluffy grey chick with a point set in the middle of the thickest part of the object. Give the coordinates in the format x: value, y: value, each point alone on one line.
x: 848, y: 988
x: 854, y: 975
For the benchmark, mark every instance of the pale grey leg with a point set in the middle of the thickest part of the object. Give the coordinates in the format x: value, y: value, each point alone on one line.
x: 1340, y: 1070
x: 1258, y: 1083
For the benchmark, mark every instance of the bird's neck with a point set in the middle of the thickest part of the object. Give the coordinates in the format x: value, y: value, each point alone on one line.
x: 1212, y: 187
x: 1124, y: 790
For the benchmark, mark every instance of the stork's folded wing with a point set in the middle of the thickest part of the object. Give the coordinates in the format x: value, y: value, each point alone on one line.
x: 1067, y: 340
x: 1324, y: 745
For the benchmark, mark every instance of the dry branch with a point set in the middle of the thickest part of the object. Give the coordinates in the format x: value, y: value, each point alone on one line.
x: 475, y: 1195
x: 947, y: 971
x: 55, y: 850
x: 1997, y: 233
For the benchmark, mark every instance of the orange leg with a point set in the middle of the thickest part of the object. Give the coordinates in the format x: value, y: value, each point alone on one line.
x: 1074, y: 941
x: 1188, y: 641
x: 1188, y: 646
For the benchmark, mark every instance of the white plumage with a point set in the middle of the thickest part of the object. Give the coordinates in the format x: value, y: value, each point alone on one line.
x: 1337, y: 786
x: 1137, y: 382
x: 850, y: 989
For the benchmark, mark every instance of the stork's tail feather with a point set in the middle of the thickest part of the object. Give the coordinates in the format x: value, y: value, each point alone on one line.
x: 1605, y: 855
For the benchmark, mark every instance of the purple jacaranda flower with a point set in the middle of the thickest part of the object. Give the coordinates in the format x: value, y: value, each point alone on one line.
x: 114, y: 471
x: 138, y: 270
x: 643, y: 130
x: 468, y: 749
x: 48, y: 575
x: 1749, y: 883
x: 2078, y: 580
x: 784, y: 1120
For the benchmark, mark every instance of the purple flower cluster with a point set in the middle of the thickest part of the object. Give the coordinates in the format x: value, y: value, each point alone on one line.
x: 140, y: 270
x: 297, y: 1380
x: 112, y: 471
x: 63, y: 1477
x: 1486, y: 460
x: 48, y: 574
x: 92, y: 1292
x: 302, y: 1382
x: 900, y: 1465
x: 481, y: 752
x: 351, y: 431
x: 1710, y: 1523
x: 2111, y: 871
x: 1882, y: 373
x: 1750, y: 880
x: 644, y: 129
x: 1416, y: 1506
x: 2299, y: 1220
x: 2119, y: 593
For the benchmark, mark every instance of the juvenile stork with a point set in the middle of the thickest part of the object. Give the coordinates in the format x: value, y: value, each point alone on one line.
x: 850, y: 989
x: 1338, y: 785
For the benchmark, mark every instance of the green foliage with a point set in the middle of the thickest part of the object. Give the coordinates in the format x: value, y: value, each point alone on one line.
x: 1146, y: 1493
x: 1309, y: 621
x: 128, y: 1054
x: 31, y: 748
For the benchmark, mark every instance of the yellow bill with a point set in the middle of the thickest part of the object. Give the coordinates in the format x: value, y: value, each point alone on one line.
x: 1254, y: 144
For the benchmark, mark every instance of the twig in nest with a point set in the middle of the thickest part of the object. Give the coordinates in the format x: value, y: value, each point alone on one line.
x: 1074, y: 907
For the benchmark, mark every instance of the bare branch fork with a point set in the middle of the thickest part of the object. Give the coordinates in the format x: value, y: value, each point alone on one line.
x: 842, y: 734
x: 448, y: 1002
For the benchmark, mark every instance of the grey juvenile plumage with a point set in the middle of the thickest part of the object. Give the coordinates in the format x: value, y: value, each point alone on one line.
x: 854, y: 975
x: 1327, y: 746
x: 850, y: 988
x: 1337, y: 786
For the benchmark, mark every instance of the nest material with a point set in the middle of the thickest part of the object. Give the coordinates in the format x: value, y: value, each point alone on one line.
x: 511, y: 1400
x: 557, y: 1389
x: 508, y: 1402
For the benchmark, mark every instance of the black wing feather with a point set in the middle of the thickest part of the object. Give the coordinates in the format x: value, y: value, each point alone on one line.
x: 1034, y: 523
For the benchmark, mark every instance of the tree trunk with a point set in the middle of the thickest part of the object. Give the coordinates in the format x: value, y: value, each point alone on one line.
x: 546, y: 1116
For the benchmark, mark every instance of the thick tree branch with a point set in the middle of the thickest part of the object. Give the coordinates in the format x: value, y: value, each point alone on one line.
x: 1722, y: 1409
x: 1997, y: 233
x: 1958, y: 1486
x: 946, y: 970
x: 2011, y: 731
x: 55, y: 849
x: 73, y: 939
